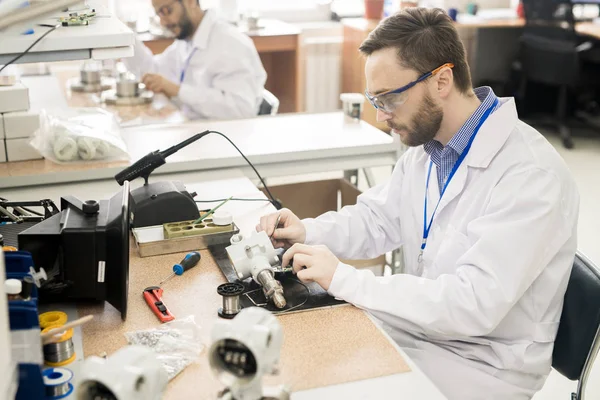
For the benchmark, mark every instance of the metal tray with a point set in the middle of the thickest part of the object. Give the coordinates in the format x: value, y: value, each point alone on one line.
x: 150, y: 241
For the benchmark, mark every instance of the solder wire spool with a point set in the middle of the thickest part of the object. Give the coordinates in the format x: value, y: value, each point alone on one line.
x: 57, y: 382
x: 62, y: 352
x: 52, y: 318
x: 231, y: 293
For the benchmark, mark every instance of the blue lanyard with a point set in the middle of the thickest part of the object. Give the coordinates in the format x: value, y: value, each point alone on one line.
x: 426, y: 226
x: 187, y: 64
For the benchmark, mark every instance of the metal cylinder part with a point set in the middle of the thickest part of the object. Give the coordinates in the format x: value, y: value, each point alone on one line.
x: 272, y: 287
x: 62, y: 352
x: 57, y: 391
x: 128, y: 87
x: 231, y: 305
x: 59, y: 352
x: 231, y: 299
x: 90, y: 77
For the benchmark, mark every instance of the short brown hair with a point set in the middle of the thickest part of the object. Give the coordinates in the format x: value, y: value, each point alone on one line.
x: 425, y: 39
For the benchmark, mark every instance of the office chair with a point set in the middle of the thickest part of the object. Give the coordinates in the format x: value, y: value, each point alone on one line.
x: 550, y: 53
x: 269, y: 105
x: 578, y: 338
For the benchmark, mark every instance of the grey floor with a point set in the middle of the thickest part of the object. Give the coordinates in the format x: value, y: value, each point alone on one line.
x: 584, y: 162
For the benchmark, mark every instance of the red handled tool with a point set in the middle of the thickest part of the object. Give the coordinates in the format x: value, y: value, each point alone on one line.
x: 152, y: 295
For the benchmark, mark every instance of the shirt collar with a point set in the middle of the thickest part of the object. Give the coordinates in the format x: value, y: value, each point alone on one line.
x: 200, y: 39
x: 459, y: 141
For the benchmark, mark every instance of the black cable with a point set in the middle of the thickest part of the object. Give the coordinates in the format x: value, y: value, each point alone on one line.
x: 275, y: 202
x: 298, y: 305
x: 29, y: 48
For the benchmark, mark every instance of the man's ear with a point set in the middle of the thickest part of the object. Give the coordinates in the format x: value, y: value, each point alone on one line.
x: 444, y: 82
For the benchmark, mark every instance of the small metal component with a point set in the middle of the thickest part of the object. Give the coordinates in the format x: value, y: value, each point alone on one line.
x: 231, y: 299
x: 90, y: 81
x: 129, y: 87
x: 272, y: 288
x: 110, y: 97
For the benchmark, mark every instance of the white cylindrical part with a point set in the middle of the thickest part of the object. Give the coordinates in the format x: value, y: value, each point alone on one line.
x: 13, y: 286
x: 236, y: 238
x: 222, y: 218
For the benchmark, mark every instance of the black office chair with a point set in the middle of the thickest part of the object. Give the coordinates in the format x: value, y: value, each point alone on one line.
x: 550, y: 53
x: 269, y: 105
x: 578, y: 338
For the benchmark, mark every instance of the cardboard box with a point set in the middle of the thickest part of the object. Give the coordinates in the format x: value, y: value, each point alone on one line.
x: 20, y: 150
x: 311, y: 199
x: 21, y: 124
x: 2, y: 151
x: 14, y: 98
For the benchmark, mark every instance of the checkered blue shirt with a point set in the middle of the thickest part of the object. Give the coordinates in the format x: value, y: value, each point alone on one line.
x: 444, y: 158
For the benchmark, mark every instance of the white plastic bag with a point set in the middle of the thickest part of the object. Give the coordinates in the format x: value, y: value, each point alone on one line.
x: 177, y: 343
x: 79, y: 134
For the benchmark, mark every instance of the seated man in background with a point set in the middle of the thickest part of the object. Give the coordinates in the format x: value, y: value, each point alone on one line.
x: 212, y: 70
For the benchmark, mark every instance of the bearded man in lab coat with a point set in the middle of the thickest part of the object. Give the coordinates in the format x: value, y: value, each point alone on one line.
x: 482, y: 205
x: 212, y: 70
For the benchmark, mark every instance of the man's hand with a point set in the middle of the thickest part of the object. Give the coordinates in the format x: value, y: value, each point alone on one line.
x: 312, y: 263
x: 159, y: 84
x: 291, y: 230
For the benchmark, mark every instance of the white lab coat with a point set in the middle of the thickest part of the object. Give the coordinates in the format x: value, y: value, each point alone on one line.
x: 224, y: 78
x: 480, y: 315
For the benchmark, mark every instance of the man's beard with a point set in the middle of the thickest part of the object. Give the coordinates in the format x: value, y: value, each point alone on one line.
x: 185, y: 27
x: 425, y: 124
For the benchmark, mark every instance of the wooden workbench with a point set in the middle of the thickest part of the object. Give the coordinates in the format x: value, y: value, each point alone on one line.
x: 321, y: 348
x: 277, y: 44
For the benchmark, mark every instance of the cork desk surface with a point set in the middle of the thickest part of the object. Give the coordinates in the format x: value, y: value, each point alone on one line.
x: 336, y: 352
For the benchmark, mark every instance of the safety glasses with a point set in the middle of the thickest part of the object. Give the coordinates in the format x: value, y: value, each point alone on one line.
x: 389, y: 101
